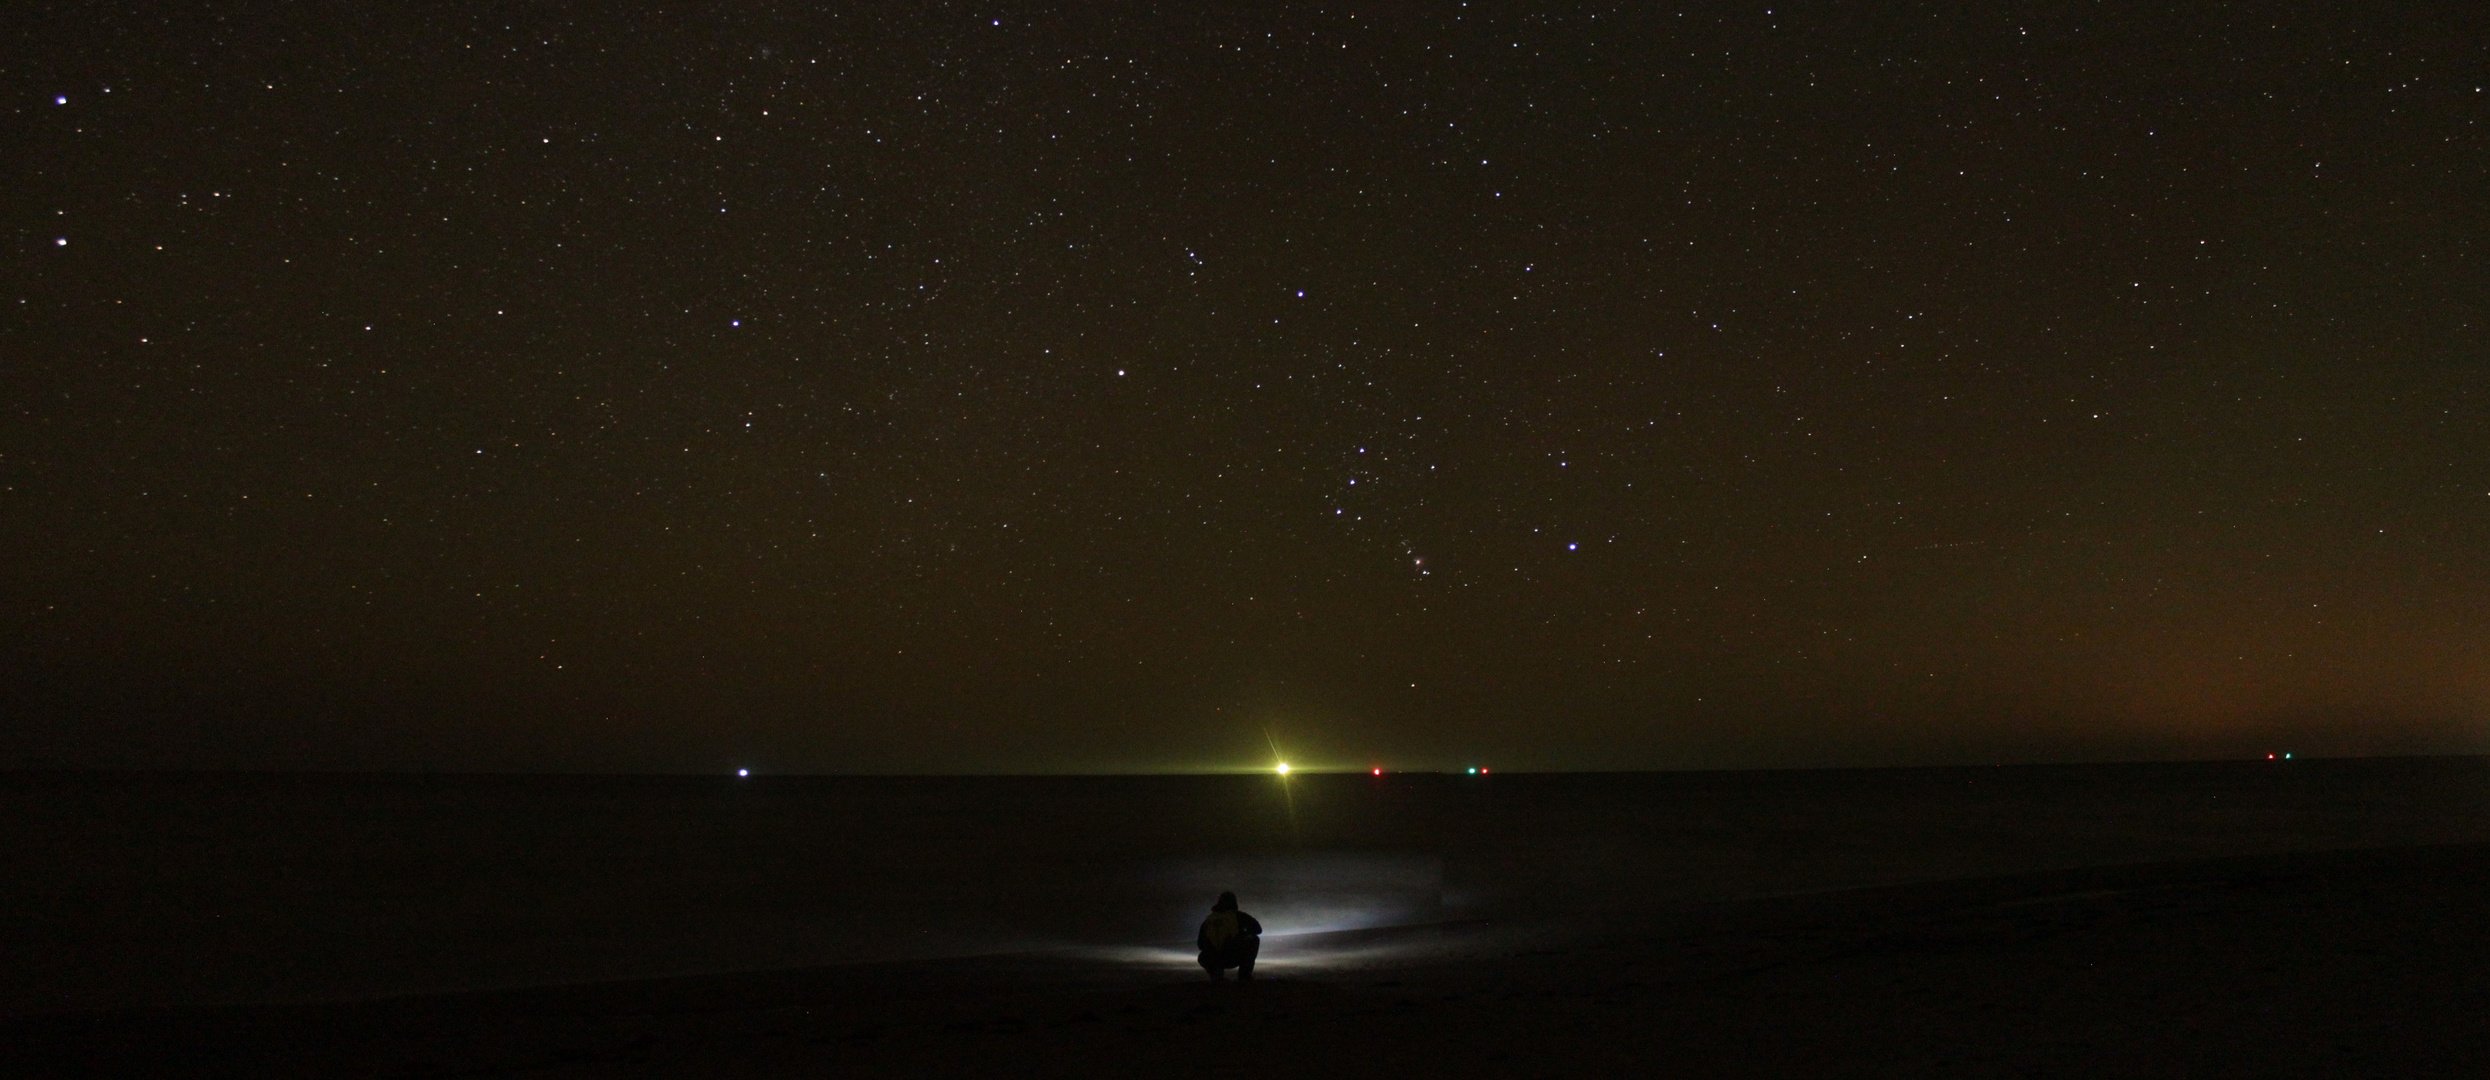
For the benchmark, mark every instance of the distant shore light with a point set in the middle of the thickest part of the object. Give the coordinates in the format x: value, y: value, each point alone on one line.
x: 1283, y: 768
x: 743, y: 772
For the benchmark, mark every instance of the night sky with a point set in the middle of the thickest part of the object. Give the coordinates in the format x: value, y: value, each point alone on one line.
x: 937, y: 387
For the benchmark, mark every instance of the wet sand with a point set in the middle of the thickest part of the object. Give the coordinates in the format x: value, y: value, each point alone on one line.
x: 2353, y: 963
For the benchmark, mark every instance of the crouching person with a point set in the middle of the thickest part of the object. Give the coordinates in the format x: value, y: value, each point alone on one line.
x: 1228, y: 939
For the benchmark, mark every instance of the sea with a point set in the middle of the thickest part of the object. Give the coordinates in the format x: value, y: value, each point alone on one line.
x: 146, y: 889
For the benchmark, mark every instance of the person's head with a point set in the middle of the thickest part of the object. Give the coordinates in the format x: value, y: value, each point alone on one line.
x: 1227, y: 902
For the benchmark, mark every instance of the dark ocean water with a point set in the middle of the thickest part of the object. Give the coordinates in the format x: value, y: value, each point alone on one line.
x: 132, y: 889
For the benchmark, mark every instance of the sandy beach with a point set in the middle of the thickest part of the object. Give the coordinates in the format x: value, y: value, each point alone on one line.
x: 2357, y: 963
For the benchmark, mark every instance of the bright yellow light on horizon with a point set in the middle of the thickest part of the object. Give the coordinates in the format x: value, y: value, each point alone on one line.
x: 1283, y: 768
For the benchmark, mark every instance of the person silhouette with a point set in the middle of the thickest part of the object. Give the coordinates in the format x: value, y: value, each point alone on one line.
x: 1228, y: 939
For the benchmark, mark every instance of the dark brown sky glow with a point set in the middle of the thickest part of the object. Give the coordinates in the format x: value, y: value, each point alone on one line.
x: 940, y: 387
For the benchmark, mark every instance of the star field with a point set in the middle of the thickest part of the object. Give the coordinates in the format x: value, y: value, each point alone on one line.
x: 947, y: 387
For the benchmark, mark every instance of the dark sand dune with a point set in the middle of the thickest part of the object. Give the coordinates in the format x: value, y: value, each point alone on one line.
x: 2315, y: 919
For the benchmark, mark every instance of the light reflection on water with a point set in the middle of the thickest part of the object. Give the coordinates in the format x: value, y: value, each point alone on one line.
x: 1336, y: 951
x: 1307, y: 892
x: 1319, y: 910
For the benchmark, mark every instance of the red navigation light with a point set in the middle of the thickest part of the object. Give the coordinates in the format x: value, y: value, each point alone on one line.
x: 1378, y: 772
x: 2269, y: 757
